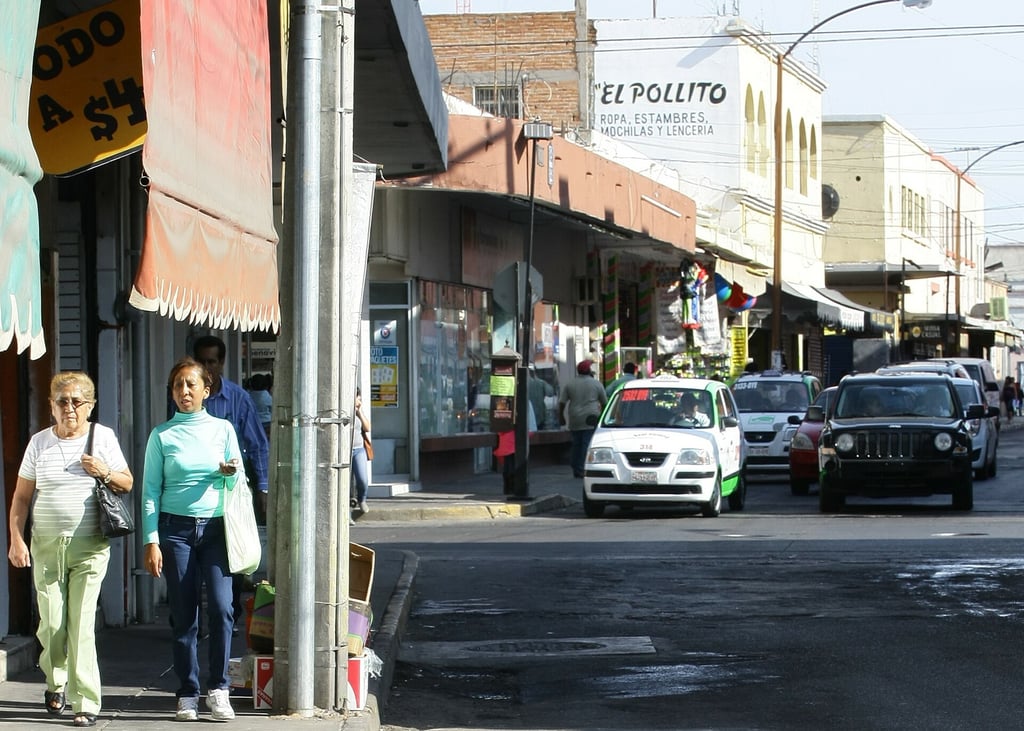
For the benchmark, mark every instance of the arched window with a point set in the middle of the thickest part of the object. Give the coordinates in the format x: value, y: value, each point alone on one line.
x: 787, y: 159
x: 814, y: 153
x: 803, y: 158
x: 762, y: 136
x: 749, y: 131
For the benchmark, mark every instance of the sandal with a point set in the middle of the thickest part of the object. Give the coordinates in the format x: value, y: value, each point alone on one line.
x: 85, y: 719
x: 55, y: 702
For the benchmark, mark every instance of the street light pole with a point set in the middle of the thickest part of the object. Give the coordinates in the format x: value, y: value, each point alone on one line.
x: 956, y: 249
x: 534, y: 132
x: 903, y: 304
x: 776, y: 341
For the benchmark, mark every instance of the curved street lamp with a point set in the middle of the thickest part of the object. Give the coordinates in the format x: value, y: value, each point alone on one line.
x: 779, y: 156
x: 956, y: 230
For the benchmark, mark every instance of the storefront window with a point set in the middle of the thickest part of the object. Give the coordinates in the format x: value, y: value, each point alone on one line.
x: 455, y: 348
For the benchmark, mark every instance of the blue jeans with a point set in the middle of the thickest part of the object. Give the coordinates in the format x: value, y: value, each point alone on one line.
x: 360, y: 474
x: 195, y: 552
x: 578, y: 453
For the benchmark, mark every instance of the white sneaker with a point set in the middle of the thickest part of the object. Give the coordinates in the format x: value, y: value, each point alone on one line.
x: 363, y: 507
x: 219, y: 703
x: 188, y: 709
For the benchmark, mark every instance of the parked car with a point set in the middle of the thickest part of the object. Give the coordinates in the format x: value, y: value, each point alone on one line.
x: 766, y: 401
x: 896, y: 435
x: 666, y: 440
x: 803, y: 449
x: 981, y: 371
x: 984, y: 433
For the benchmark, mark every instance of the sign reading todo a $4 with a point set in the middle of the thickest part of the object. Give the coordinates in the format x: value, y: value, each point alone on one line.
x: 87, y: 101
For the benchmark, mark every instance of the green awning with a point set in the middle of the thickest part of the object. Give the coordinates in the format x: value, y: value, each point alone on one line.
x: 20, y: 301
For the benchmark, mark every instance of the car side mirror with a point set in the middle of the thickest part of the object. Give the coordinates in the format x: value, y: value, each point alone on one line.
x: 991, y: 386
x: 978, y: 411
x: 815, y: 413
x: 994, y: 411
x: 730, y: 421
x: 794, y: 419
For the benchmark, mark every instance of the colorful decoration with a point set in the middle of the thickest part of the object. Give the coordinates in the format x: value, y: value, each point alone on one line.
x: 732, y: 295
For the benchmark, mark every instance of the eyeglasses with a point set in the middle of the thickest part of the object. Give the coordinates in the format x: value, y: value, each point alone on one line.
x: 77, y: 403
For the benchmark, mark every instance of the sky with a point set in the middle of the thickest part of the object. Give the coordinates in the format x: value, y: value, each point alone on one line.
x: 951, y: 74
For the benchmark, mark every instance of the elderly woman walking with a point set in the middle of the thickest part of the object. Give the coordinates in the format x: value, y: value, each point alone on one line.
x: 68, y: 553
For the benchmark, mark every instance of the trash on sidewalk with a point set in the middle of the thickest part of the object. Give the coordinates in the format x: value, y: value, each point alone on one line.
x: 360, y: 582
x: 359, y: 671
x: 263, y: 682
x: 260, y: 636
x: 240, y: 671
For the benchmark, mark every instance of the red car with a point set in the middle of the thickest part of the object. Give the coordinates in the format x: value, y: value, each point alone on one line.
x: 803, y: 450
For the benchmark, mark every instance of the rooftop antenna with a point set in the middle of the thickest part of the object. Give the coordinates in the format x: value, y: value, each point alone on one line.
x: 462, y: 6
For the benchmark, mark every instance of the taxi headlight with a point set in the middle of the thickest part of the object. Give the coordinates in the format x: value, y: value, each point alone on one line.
x: 600, y: 455
x: 943, y: 442
x: 694, y: 456
x: 844, y: 443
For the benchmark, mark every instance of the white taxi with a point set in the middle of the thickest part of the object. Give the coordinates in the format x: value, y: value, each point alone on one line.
x: 667, y: 440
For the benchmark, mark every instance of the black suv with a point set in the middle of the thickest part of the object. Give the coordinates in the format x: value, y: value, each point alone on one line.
x: 896, y: 435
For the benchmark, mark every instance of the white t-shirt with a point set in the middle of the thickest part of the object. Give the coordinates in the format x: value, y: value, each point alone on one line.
x: 64, y: 502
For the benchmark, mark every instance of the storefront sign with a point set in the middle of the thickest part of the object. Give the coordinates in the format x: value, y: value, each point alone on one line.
x: 384, y: 377
x: 671, y: 336
x: 87, y: 104
x: 738, y: 362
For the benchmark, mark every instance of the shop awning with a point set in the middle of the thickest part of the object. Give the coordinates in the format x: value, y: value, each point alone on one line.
x: 20, y: 301
x: 801, y: 303
x: 210, y: 253
x: 871, y: 319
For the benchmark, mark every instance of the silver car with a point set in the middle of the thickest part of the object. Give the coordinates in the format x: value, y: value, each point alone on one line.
x: 984, y: 432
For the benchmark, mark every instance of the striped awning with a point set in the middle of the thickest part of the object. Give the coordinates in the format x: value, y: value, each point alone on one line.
x: 20, y: 300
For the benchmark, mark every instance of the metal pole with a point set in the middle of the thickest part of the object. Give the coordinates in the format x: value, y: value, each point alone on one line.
x: 776, y: 334
x: 306, y: 32
x: 903, y: 306
x: 522, y: 467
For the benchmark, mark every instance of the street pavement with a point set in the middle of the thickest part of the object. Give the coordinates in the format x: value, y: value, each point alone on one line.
x: 135, y: 661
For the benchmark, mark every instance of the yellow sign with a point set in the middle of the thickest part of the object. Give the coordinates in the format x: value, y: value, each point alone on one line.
x: 738, y: 336
x: 87, y: 104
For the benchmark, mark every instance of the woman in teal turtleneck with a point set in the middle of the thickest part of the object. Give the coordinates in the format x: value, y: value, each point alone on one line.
x: 188, y: 461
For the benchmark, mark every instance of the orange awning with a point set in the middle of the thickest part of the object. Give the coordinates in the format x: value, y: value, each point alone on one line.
x: 210, y: 252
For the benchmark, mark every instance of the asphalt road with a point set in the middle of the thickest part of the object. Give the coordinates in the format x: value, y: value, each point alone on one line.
x: 890, y: 615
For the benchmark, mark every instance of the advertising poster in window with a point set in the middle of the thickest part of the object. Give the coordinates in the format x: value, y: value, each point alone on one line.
x: 384, y: 365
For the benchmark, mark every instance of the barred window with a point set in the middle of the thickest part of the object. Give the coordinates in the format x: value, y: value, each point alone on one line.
x: 501, y: 101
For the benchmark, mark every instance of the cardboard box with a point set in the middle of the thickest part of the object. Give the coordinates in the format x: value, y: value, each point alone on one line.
x: 263, y: 681
x: 358, y: 682
x: 240, y: 671
x: 360, y: 583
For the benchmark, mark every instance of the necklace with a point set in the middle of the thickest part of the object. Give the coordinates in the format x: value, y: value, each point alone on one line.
x: 64, y: 457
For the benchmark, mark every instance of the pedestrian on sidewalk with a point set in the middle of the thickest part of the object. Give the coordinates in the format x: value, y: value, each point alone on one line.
x: 579, y: 407
x: 190, y: 459
x: 1009, y: 397
x: 628, y: 374
x: 68, y: 553
x: 362, y: 453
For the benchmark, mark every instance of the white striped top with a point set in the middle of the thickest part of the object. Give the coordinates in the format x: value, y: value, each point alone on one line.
x: 64, y: 502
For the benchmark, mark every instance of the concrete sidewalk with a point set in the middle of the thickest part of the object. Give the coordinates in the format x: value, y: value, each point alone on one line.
x: 136, y: 661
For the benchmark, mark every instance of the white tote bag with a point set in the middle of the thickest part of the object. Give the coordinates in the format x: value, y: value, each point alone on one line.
x: 243, y: 537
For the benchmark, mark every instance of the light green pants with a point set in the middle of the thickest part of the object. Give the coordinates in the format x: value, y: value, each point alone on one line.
x: 68, y: 573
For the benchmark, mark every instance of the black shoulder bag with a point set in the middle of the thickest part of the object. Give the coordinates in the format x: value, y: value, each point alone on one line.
x: 115, y: 520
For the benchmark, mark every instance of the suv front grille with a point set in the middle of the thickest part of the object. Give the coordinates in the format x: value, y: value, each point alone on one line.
x: 893, y: 444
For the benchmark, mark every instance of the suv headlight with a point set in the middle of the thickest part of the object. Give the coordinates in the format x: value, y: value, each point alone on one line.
x: 943, y: 442
x: 600, y: 455
x: 694, y: 456
x: 844, y: 443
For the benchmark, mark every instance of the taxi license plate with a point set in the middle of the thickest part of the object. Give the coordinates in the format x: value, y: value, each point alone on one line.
x: 646, y: 477
x: 758, y: 451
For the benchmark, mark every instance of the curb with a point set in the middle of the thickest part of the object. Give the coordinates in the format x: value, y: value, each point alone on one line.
x: 17, y: 654
x: 386, y: 644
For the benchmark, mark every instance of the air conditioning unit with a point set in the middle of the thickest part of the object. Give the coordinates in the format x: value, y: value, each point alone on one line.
x: 587, y: 291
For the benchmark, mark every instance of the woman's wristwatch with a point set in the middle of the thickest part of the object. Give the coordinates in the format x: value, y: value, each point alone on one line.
x: 106, y: 477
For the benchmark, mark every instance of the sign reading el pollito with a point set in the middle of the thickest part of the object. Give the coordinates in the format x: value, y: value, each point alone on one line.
x: 87, y: 104
x: 668, y: 87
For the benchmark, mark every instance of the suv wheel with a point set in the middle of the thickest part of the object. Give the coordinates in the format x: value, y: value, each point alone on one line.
x: 828, y: 500
x: 713, y: 507
x: 963, y: 495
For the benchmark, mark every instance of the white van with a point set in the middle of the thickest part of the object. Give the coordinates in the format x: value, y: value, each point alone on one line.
x: 981, y: 371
